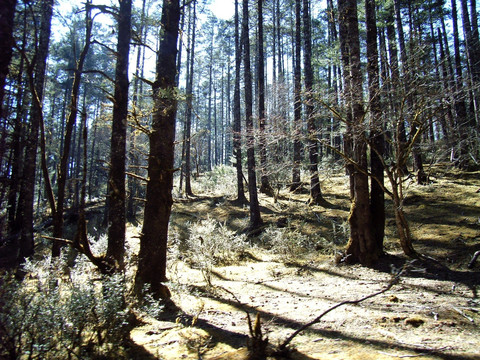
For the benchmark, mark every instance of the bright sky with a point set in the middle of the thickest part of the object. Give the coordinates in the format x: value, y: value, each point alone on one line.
x: 223, y: 9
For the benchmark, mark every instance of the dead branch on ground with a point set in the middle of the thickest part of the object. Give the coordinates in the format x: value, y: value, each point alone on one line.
x: 394, y: 280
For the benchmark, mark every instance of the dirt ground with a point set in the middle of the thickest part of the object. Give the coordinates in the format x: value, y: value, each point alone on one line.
x: 432, y: 313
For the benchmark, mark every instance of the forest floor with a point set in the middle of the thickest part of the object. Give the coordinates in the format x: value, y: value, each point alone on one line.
x: 432, y: 313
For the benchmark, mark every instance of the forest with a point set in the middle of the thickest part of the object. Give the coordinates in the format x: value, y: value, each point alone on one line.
x: 254, y: 179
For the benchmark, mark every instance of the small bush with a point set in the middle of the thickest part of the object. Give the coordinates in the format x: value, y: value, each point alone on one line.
x: 211, y: 243
x: 290, y: 243
x: 57, y: 313
x: 219, y: 181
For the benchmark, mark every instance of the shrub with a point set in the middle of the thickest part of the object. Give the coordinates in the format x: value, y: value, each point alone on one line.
x: 219, y: 181
x: 54, y: 313
x: 211, y: 243
x: 289, y: 242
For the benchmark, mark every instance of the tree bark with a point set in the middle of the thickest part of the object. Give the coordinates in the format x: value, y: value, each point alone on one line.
x: 116, y: 210
x: 237, y: 122
x: 362, y: 246
x: 152, y: 258
x: 255, y: 217
x: 394, y: 84
x: 297, y: 99
x: 265, y: 186
x: 136, y: 104
x: 72, y: 117
x: 377, y: 143
x: 188, y: 116
x: 17, y: 146
x: 473, y: 53
x: 459, y: 98
x: 6, y: 43
x: 37, y: 86
x: 416, y: 154
x: 315, y: 191
x: 209, y: 118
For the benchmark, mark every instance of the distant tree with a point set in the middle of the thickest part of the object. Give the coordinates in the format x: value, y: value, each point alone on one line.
x: 137, y: 101
x: 211, y: 97
x: 265, y: 186
x: 37, y: 71
x: 6, y: 43
x: 472, y: 42
x: 237, y: 121
x: 152, y: 258
x: 377, y: 140
x: 255, y: 216
x: 17, y: 135
x: 316, y: 196
x: 188, y: 112
x: 58, y: 207
x: 459, y: 152
x: 116, y: 210
x: 297, y: 99
x: 406, y: 80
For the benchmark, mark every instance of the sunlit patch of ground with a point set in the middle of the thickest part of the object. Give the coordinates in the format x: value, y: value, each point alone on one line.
x: 433, y: 313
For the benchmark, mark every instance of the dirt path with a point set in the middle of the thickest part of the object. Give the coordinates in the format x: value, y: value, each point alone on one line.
x: 433, y: 313
x: 421, y: 317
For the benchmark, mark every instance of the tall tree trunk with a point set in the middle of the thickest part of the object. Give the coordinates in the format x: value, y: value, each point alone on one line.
x: 17, y: 145
x: 416, y: 154
x: 448, y: 89
x: 136, y: 104
x: 461, y: 118
x: 116, y: 210
x: 377, y: 196
x: 6, y: 43
x: 187, y: 76
x: 362, y: 246
x: 315, y: 191
x: 209, y: 118
x: 265, y: 186
x: 297, y: 99
x: 215, y: 124
x: 348, y: 136
x: 188, y: 115
x: 152, y: 258
x: 72, y: 117
x: 37, y: 86
x: 399, y: 126
x: 473, y: 53
x: 255, y: 217
x: 336, y: 85
x: 228, y: 125
x: 237, y: 122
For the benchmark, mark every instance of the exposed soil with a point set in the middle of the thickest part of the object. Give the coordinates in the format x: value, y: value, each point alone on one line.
x: 432, y: 313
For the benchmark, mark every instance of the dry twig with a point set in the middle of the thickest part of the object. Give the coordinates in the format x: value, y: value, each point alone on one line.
x: 282, y: 347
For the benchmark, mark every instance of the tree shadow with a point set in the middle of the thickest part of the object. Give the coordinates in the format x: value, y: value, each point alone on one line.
x: 237, y: 340
x: 431, y: 269
x: 135, y: 351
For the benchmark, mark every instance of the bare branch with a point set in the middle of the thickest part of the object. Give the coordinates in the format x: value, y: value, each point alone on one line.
x: 390, y: 284
x: 99, y: 72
